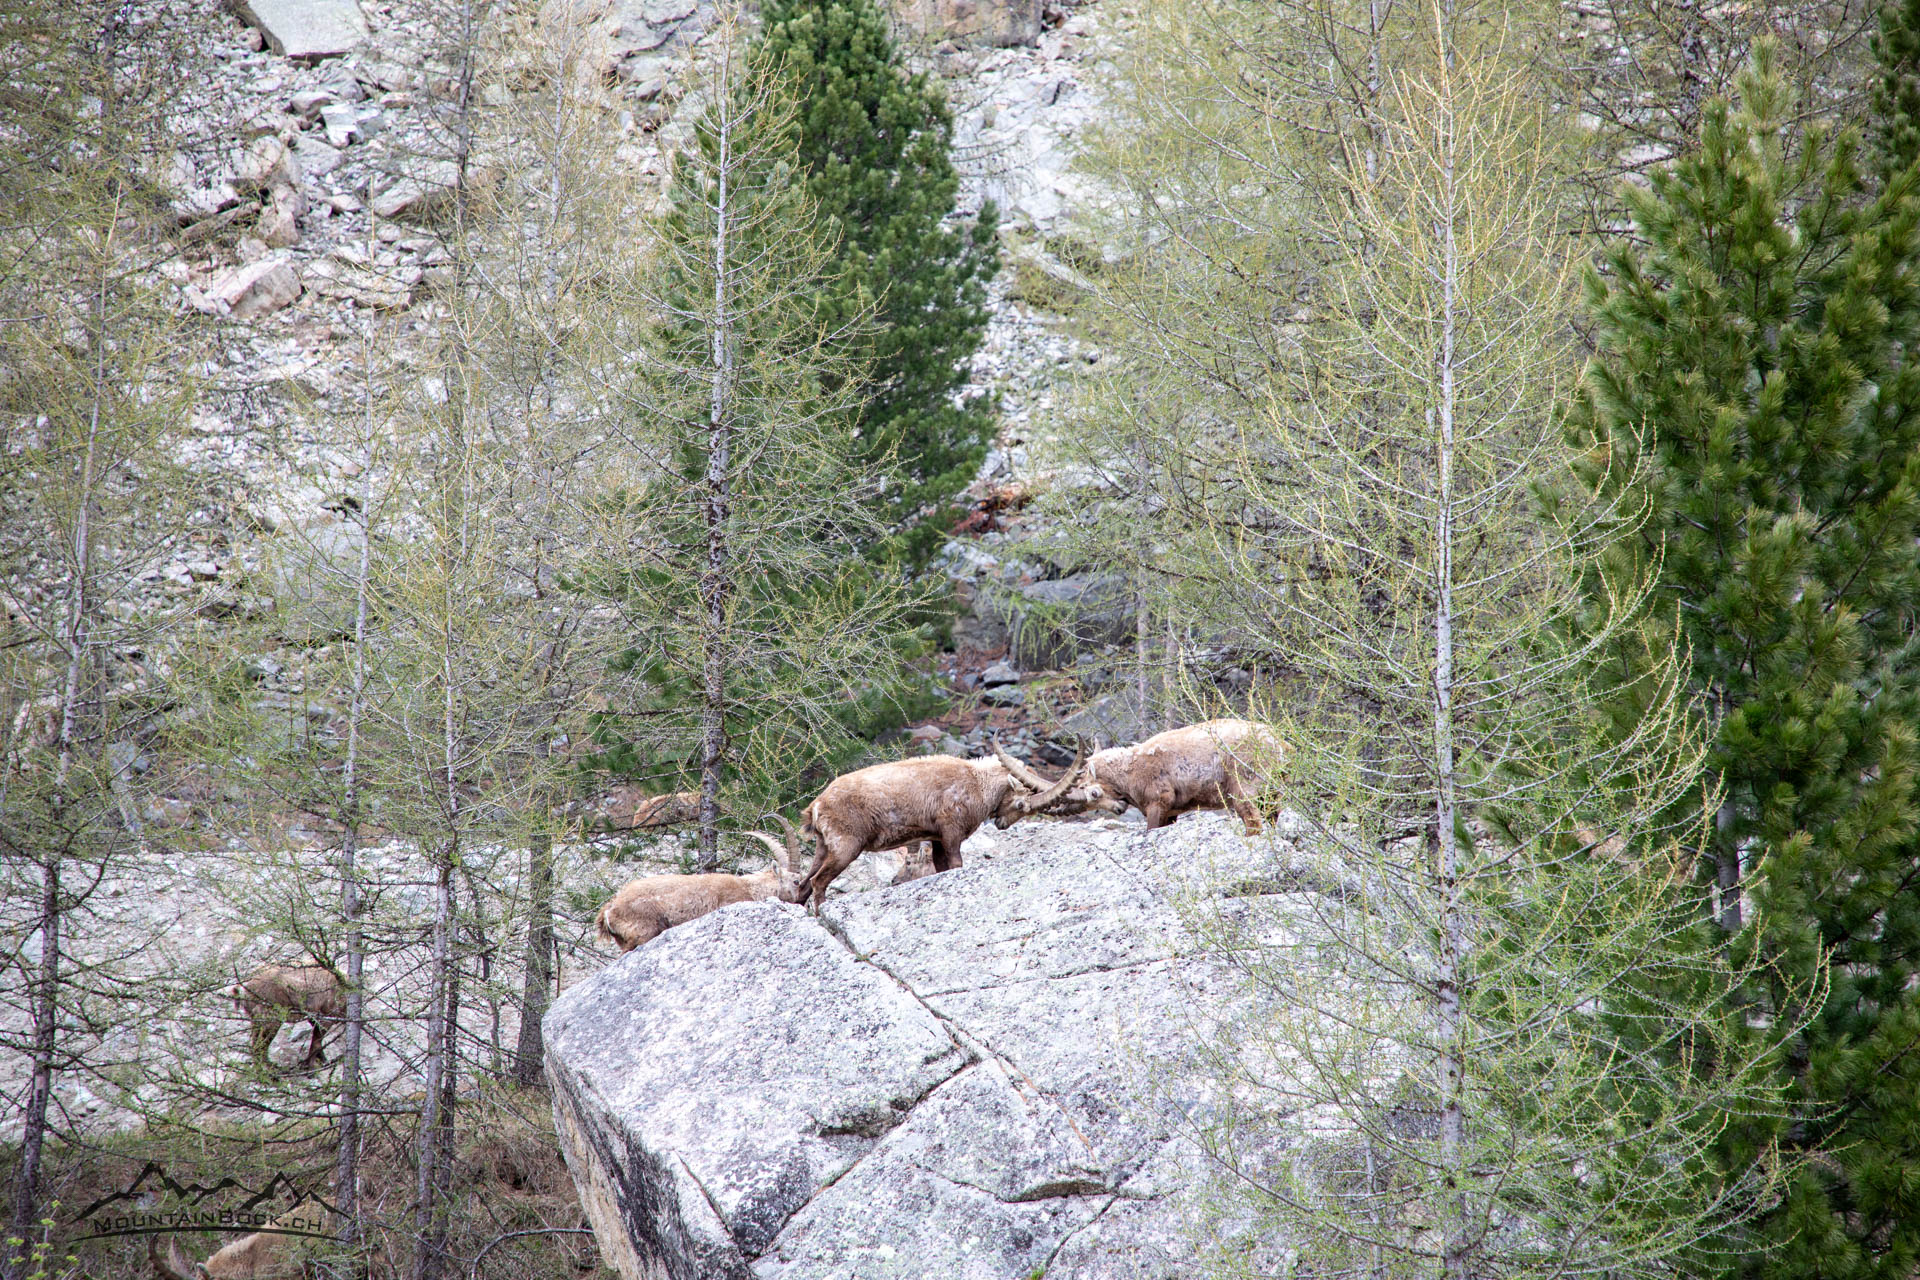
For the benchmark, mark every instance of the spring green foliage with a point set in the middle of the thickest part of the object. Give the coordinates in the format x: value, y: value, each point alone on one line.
x: 874, y: 140
x: 91, y: 497
x: 1754, y: 382
x: 1430, y: 1084
x: 764, y: 643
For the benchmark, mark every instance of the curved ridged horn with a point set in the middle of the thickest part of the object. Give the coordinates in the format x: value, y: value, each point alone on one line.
x: 782, y: 855
x: 174, y: 1266
x: 796, y: 846
x: 1035, y: 803
x: 1026, y: 776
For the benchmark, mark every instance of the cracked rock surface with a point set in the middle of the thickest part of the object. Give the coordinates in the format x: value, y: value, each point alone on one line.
x: 943, y: 1078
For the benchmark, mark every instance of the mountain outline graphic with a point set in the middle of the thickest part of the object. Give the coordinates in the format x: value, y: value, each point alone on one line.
x: 154, y: 1178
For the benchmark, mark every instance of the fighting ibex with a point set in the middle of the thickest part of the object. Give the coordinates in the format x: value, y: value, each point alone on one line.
x: 280, y: 993
x: 641, y: 910
x: 1215, y: 765
x: 942, y: 799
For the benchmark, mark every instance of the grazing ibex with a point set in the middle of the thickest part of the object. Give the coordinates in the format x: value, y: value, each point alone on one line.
x: 280, y: 993
x: 1214, y: 765
x: 939, y: 798
x: 641, y: 910
x: 263, y: 1255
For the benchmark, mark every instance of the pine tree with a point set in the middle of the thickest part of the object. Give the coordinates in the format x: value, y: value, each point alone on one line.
x: 1752, y: 369
x: 1893, y: 117
x: 874, y: 142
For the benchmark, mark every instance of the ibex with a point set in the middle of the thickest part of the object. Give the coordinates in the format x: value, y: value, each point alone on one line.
x: 263, y: 1255
x: 939, y: 798
x: 1214, y: 765
x: 628, y: 808
x: 641, y: 910
x: 280, y: 993
x: 916, y: 862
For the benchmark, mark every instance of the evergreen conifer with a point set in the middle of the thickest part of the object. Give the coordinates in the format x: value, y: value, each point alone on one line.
x: 874, y: 141
x: 1894, y: 101
x: 1752, y: 380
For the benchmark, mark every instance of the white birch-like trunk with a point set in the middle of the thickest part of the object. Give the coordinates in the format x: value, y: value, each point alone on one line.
x: 76, y: 637
x: 715, y: 584
x: 346, y: 1180
x: 1453, y: 934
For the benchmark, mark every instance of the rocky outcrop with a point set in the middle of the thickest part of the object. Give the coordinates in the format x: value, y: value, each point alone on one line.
x: 306, y: 28
x: 939, y: 1079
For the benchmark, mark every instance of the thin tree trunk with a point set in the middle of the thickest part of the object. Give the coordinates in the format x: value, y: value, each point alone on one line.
x: 530, y: 1053
x: 1453, y: 930
x: 1169, y: 676
x: 346, y: 1180
x: 427, y: 1212
x: 435, y: 1117
x: 715, y: 584
x: 77, y: 638
x: 26, y: 1185
x: 1727, y: 870
x: 436, y: 1239
x: 1376, y: 20
x: 1142, y: 655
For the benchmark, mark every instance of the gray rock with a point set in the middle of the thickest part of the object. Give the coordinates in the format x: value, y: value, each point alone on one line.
x: 998, y: 674
x: 1005, y: 695
x: 256, y: 289
x: 307, y: 103
x: 310, y: 569
x: 342, y: 123
x: 988, y: 22
x: 278, y: 226
x: 1113, y: 720
x: 703, y: 1101
x: 617, y: 32
x: 316, y: 157
x: 370, y: 287
x: 935, y: 1079
x: 267, y: 164
x: 1049, y: 623
x: 306, y: 28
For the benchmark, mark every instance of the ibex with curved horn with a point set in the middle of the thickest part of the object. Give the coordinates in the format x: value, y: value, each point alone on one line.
x: 1214, y: 765
x: 942, y: 799
x: 641, y: 910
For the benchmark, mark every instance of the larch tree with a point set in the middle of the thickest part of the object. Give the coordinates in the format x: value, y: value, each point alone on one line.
x: 758, y: 634
x: 90, y: 421
x: 1755, y: 379
x: 1458, y: 1029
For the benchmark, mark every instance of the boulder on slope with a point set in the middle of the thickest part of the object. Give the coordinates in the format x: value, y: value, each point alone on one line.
x: 942, y: 1078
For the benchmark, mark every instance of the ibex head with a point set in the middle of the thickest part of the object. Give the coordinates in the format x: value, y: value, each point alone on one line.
x: 1033, y: 794
x: 789, y: 860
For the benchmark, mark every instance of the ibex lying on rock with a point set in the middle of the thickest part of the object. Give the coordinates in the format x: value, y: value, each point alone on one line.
x: 629, y: 808
x: 939, y: 798
x: 280, y: 993
x: 264, y: 1255
x: 916, y: 861
x: 641, y: 910
x: 1213, y: 765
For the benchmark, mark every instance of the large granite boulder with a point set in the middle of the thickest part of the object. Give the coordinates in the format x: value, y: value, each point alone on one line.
x: 946, y: 1078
